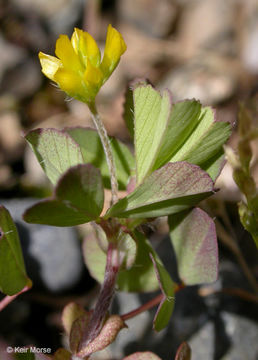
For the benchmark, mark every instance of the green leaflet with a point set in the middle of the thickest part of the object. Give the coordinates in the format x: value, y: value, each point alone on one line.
x: 183, y: 118
x: 184, y: 131
x: 204, y: 147
x: 193, y: 236
x: 151, y: 111
x: 168, y: 190
x: 128, y: 113
x: 13, y: 277
x: 78, y: 198
x: 55, y: 151
x: 166, y: 306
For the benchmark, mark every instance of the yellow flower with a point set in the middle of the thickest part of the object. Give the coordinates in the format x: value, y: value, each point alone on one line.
x: 78, y: 69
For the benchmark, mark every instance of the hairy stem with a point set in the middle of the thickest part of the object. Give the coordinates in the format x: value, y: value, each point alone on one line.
x: 107, y: 149
x: 104, y: 300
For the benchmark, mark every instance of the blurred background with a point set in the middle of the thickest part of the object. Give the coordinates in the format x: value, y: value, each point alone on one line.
x: 203, y: 49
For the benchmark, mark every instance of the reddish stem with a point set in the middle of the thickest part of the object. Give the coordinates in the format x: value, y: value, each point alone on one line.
x: 8, y: 299
x: 149, y: 304
x: 104, y: 300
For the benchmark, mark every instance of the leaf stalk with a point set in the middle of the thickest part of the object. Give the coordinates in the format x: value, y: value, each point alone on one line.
x: 107, y: 149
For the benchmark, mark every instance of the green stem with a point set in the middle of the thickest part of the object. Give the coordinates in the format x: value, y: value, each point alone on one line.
x: 107, y: 149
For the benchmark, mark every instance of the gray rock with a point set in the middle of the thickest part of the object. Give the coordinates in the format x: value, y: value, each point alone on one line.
x: 242, y: 332
x: 137, y: 327
x: 202, y: 343
x: 52, y: 254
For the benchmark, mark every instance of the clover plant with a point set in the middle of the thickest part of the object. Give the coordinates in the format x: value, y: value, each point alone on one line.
x: 178, y: 155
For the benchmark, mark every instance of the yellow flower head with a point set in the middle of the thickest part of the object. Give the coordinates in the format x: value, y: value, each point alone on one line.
x: 78, y: 69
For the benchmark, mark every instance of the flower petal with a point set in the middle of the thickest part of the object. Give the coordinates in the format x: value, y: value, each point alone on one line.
x: 65, y: 52
x: 70, y: 82
x: 78, y: 69
x: 75, y: 39
x: 93, y: 78
x: 89, y: 49
x: 115, y: 47
x: 50, y: 65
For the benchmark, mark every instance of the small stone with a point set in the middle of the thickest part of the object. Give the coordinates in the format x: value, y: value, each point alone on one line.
x: 202, y: 343
x: 137, y: 325
x: 241, y: 332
